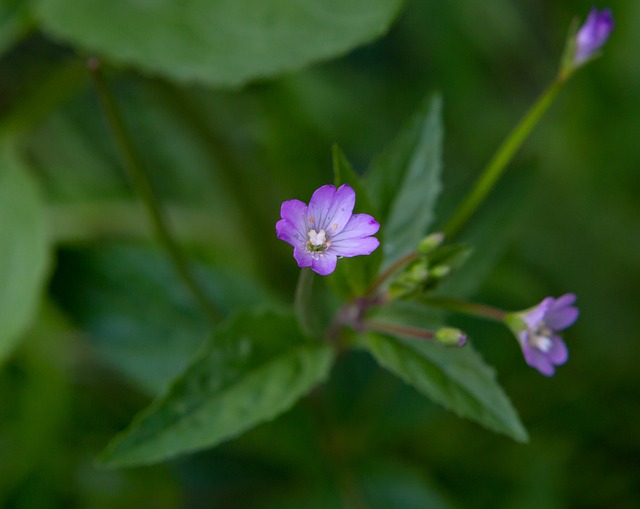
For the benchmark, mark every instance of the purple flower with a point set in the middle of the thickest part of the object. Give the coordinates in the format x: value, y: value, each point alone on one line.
x: 593, y: 34
x: 326, y: 229
x: 537, y: 332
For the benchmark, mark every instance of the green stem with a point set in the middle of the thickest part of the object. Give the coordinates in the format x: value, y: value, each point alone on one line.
x: 497, y: 165
x: 302, y: 300
x: 142, y: 185
x: 398, y: 329
x: 467, y: 308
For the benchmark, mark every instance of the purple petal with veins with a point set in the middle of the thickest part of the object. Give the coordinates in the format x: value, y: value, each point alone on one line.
x: 326, y: 229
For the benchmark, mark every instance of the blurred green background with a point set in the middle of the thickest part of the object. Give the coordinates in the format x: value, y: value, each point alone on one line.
x: 117, y: 324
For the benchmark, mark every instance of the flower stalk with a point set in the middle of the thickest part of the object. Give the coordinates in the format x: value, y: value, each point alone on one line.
x: 302, y: 300
x: 466, y: 308
x: 141, y: 183
x: 398, y: 329
x: 581, y: 47
x: 502, y: 157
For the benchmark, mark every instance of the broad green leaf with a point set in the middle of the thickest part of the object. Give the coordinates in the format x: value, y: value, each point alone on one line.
x: 354, y: 275
x: 218, y: 41
x: 404, y: 181
x: 24, y: 251
x: 457, y: 378
x: 141, y: 318
x: 252, y: 369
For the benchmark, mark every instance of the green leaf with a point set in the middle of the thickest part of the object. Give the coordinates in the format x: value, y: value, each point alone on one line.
x: 456, y: 378
x: 24, y: 252
x: 404, y: 181
x: 218, y: 41
x: 251, y: 370
x: 141, y: 319
x: 353, y: 276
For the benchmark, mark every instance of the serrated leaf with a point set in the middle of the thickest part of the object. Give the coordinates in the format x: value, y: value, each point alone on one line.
x: 24, y: 251
x: 218, y: 41
x: 404, y: 181
x: 354, y: 275
x: 458, y: 379
x: 251, y: 370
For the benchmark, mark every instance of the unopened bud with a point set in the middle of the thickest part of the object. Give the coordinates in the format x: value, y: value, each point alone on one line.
x: 451, y: 337
x: 430, y: 242
x: 440, y: 271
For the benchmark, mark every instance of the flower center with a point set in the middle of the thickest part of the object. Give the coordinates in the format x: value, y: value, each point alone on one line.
x: 318, y: 242
x: 540, y: 338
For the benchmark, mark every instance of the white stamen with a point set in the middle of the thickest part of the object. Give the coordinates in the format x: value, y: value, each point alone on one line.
x: 317, y: 238
x: 540, y: 338
x: 542, y: 343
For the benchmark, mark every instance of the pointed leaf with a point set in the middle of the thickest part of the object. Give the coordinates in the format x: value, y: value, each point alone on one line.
x: 218, y: 41
x: 251, y: 370
x: 24, y: 249
x: 404, y: 181
x: 456, y: 378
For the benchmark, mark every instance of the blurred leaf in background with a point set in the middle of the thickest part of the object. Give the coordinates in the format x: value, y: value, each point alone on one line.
x: 222, y: 43
x: 24, y: 257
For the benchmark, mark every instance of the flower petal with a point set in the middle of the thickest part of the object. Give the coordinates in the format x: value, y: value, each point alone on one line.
x: 302, y: 256
x: 354, y: 247
x: 561, y: 313
x: 593, y: 34
x: 286, y: 231
x: 563, y: 301
x: 324, y: 264
x: 330, y: 209
x: 358, y: 226
x: 558, y: 353
x: 534, y: 316
x: 538, y: 360
x: 295, y: 212
x: 562, y: 318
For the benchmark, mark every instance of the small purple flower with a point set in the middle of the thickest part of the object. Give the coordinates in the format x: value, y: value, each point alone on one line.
x: 537, y: 332
x: 593, y: 34
x: 326, y: 229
